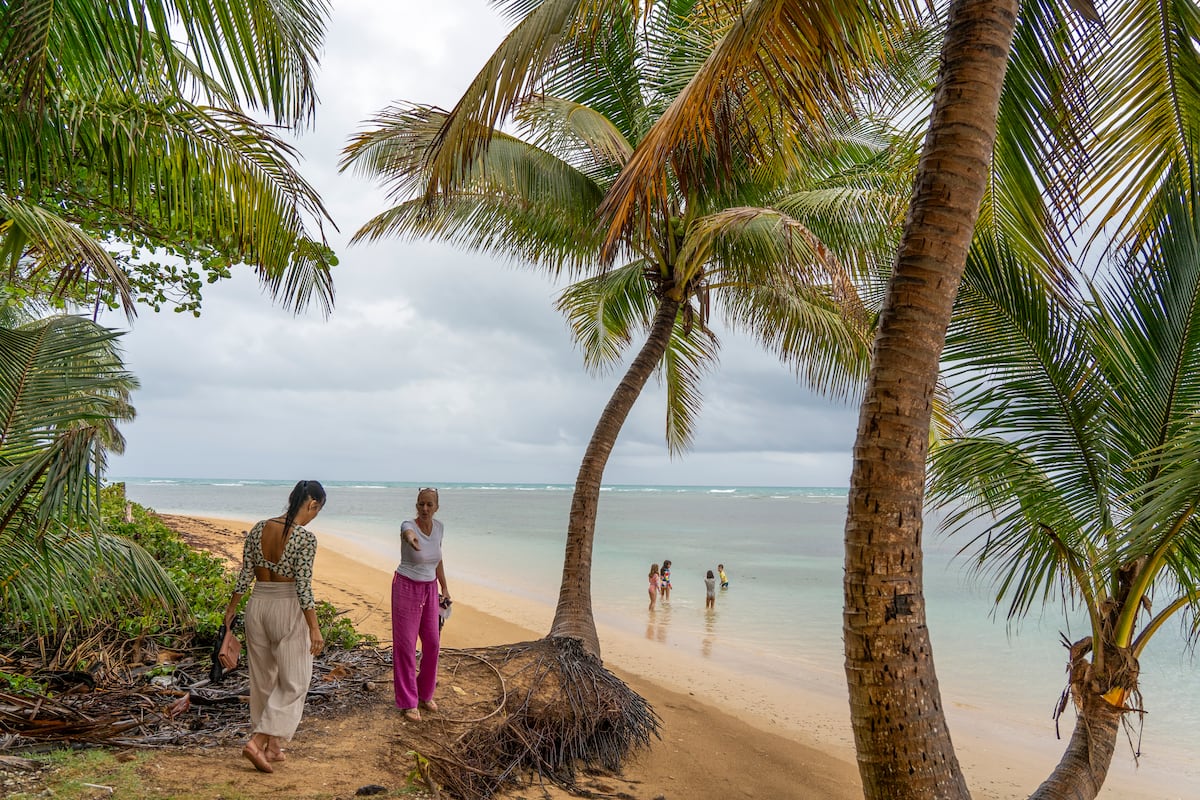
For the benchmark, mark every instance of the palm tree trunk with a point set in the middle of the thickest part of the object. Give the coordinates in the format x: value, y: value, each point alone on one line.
x: 1084, y: 766
x: 903, y: 744
x: 573, y: 617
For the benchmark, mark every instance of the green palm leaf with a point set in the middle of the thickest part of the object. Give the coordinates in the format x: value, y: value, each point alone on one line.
x: 59, y: 580
x: 265, y: 51
x: 604, y: 311
x: 691, y: 353
x: 517, y: 200
x: 62, y: 386
x: 41, y: 245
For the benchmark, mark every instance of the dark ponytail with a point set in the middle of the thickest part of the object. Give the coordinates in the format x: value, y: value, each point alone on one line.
x: 303, y: 491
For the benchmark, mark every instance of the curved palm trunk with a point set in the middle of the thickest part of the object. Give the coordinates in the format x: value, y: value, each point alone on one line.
x: 903, y: 745
x: 1084, y: 766
x: 573, y: 617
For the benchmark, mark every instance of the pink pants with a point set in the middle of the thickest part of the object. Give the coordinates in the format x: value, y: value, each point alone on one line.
x: 414, y: 615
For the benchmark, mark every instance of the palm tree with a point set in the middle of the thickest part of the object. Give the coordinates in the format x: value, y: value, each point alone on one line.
x: 1080, y: 457
x: 63, y: 389
x: 116, y: 138
x: 757, y: 242
x: 903, y: 743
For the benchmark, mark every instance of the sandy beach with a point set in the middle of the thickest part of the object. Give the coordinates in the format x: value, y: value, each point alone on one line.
x: 724, y: 734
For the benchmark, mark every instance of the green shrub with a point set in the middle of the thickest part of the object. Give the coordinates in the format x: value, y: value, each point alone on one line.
x: 203, y: 578
x: 338, y: 630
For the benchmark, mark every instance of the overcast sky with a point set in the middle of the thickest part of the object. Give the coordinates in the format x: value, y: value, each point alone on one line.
x: 436, y: 365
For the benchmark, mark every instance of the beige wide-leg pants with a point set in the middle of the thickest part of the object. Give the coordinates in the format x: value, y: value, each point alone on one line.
x: 277, y: 645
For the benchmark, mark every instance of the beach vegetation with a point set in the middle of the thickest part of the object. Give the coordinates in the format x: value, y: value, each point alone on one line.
x: 204, y: 579
x: 63, y: 389
x: 339, y: 630
x: 17, y: 683
x: 142, y: 158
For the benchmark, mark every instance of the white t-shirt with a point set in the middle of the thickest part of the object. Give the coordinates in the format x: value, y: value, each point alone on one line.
x: 420, y: 565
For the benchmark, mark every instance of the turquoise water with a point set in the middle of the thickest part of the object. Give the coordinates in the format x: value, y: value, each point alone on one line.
x: 781, y: 616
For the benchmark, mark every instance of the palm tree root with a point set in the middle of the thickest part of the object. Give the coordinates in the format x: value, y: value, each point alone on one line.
x: 555, y: 709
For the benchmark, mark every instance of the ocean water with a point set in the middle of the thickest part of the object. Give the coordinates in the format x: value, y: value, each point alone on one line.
x: 782, y: 614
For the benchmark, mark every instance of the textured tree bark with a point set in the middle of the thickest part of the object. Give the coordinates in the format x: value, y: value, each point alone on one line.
x: 1084, y: 766
x: 903, y: 744
x: 573, y: 616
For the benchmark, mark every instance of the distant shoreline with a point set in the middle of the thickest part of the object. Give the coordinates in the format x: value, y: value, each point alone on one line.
x: 832, y: 491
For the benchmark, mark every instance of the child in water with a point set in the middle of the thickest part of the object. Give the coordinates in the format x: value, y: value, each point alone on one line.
x: 665, y: 583
x: 655, y: 582
x: 721, y: 575
x: 710, y: 591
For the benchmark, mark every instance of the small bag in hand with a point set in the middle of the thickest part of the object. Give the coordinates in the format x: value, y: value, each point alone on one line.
x: 225, y: 655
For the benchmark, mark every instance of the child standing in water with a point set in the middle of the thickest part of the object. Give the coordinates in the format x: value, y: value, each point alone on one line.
x: 721, y: 575
x: 665, y: 583
x: 710, y: 591
x: 655, y: 582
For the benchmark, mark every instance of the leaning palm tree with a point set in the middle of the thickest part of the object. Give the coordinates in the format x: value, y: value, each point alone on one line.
x: 63, y: 389
x: 774, y: 246
x: 1079, y: 458
x: 130, y: 145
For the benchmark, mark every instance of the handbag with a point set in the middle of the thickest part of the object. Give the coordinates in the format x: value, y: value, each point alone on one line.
x: 227, y: 650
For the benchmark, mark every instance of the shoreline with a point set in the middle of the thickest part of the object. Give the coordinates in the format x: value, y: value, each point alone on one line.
x: 802, y: 728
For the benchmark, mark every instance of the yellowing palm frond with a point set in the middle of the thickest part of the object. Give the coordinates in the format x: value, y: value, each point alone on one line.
x: 777, y: 54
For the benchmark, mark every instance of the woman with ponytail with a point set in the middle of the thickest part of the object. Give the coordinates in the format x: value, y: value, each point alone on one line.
x: 282, y: 634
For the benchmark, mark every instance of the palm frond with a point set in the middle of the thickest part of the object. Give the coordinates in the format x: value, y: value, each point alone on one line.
x: 1032, y: 544
x: 1147, y: 111
x: 605, y: 310
x: 783, y: 284
x: 530, y: 52
x: 164, y: 168
x: 49, y: 582
x: 62, y: 386
x: 776, y: 55
x: 691, y: 353
x: 56, y: 250
x: 518, y: 200
x: 555, y: 124
x: 265, y: 51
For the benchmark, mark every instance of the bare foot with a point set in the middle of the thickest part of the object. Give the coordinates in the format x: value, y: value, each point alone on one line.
x: 256, y: 757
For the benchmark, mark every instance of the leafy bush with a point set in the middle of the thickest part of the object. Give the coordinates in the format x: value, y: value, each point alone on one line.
x: 202, y: 577
x: 338, y: 630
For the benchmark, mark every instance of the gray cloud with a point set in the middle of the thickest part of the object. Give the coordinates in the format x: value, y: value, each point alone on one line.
x: 436, y: 364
